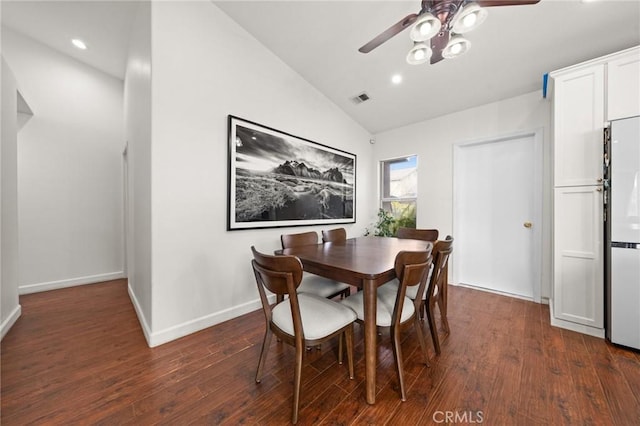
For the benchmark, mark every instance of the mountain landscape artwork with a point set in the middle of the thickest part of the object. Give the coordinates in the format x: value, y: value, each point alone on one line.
x: 277, y: 179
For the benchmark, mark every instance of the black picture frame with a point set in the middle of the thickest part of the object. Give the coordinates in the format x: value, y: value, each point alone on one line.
x: 276, y: 179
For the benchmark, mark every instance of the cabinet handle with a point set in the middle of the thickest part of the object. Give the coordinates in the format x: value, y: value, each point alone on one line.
x: 599, y: 189
x: 599, y: 180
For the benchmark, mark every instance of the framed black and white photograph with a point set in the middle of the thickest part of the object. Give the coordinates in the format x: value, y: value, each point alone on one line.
x: 277, y: 179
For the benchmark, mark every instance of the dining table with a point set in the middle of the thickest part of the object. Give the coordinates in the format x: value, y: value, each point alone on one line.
x: 365, y: 262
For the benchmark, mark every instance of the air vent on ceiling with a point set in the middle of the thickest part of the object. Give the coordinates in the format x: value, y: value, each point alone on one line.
x: 362, y: 97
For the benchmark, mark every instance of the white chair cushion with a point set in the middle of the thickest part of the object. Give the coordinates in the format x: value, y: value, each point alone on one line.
x: 384, y: 307
x: 320, y: 316
x: 321, y: 286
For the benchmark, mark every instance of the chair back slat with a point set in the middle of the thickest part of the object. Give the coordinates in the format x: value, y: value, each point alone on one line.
x: 334, y: 235
x: 442, y: 250
x: 412, y: 268
x: 296, y: 240
x: 418, y: 234
x: 405, y: 258
x: 279, y: 274
x: 413, y: 274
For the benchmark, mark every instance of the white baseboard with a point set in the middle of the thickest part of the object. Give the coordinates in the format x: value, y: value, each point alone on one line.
x: 180, y: 330
x: 55, y: 285
x: 500, y: 293
x: 579, y: 328
x: 192, y: 326
x: 146, y: 330
x: 11, y: 319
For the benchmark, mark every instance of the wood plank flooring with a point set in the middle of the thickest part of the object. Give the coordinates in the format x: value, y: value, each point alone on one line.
x: 78, y: 356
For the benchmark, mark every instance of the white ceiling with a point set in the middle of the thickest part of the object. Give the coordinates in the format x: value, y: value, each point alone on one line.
x: 320, y: 39
x: 105, y: 26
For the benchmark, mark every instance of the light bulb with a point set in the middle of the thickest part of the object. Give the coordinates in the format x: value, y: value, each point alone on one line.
x: 425, y: 28
x: 470, y: 19
x: 456, y: 48
x: 418, y: 54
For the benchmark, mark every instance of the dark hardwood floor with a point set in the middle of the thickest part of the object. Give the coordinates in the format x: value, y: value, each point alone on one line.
x: 78, y: 356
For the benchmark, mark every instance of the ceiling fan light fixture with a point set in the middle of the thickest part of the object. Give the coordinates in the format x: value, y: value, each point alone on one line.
x: 469, y: 18
x: 457, y: 46
x: 419, y: 54
x: 426, y: 27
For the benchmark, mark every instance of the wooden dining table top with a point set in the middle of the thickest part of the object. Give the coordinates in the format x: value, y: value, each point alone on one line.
x: 355, y: 259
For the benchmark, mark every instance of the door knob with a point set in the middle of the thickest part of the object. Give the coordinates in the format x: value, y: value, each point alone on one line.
x: 528, y: 224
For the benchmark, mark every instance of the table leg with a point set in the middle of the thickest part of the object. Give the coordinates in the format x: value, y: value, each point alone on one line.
x: 370, y: 336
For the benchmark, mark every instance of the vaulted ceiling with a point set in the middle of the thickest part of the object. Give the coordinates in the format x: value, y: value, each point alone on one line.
x: 509, y: 54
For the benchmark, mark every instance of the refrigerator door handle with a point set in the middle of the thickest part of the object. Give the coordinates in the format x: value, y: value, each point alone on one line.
x: 618, y: 244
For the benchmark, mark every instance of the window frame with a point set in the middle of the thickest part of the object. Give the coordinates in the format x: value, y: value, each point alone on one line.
x: 385, y: 184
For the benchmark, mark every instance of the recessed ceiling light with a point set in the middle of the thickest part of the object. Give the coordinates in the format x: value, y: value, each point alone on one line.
x: 396, y: 79
x: 79, y: 43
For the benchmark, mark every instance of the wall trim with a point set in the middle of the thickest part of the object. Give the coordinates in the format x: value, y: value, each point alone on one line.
x: 498, y: 292
x: 146, y: 330
x: 579, y: 328
x: 198, y: 324
x: 543, y: 300
x: 55, y: 285
x: 10, y: 321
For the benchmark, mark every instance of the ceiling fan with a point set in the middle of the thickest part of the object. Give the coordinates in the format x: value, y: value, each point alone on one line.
x: 438, y: 25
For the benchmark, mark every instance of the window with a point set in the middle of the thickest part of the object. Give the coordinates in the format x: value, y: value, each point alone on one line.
x: 399, y: 189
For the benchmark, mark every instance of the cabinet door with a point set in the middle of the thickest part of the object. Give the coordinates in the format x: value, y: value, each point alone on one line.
x: 623, y: 86
x: 578, y: 255
x: 578, y: 114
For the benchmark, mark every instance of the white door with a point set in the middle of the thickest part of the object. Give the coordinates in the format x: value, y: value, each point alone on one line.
x: 578, y: 290
x: 623, y: 85
x: 578, y: 123
x: 497, y: 214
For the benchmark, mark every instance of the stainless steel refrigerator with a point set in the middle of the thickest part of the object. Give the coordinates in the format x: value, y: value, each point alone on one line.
x: 623, y: 228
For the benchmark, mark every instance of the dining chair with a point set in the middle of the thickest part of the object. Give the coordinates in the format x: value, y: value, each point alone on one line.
x: 301, y: 319
x: 334, y: 235
x: 395, y: 310
x: 312, y: 283
x: 418, y: 234
x: 436, y: 289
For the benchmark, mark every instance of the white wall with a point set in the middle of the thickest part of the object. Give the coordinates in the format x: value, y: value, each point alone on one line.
x: 69, y: 169
x: 9, y: 304
x: 137, y: 112
x: 433, y: 141
x: 204, y: 68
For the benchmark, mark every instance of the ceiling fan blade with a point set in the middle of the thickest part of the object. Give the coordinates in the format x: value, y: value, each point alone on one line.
x: 491, y: 3
x: 390, y: 32
x: 438, y: 43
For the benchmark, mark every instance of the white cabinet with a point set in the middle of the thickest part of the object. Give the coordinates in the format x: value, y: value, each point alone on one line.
x: 578, y: 294
x: 623, y: 85
x: 584, y: 96
x: 578, y: 122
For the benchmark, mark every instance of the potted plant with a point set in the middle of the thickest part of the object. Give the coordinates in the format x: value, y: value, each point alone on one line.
x: 385, y: 226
